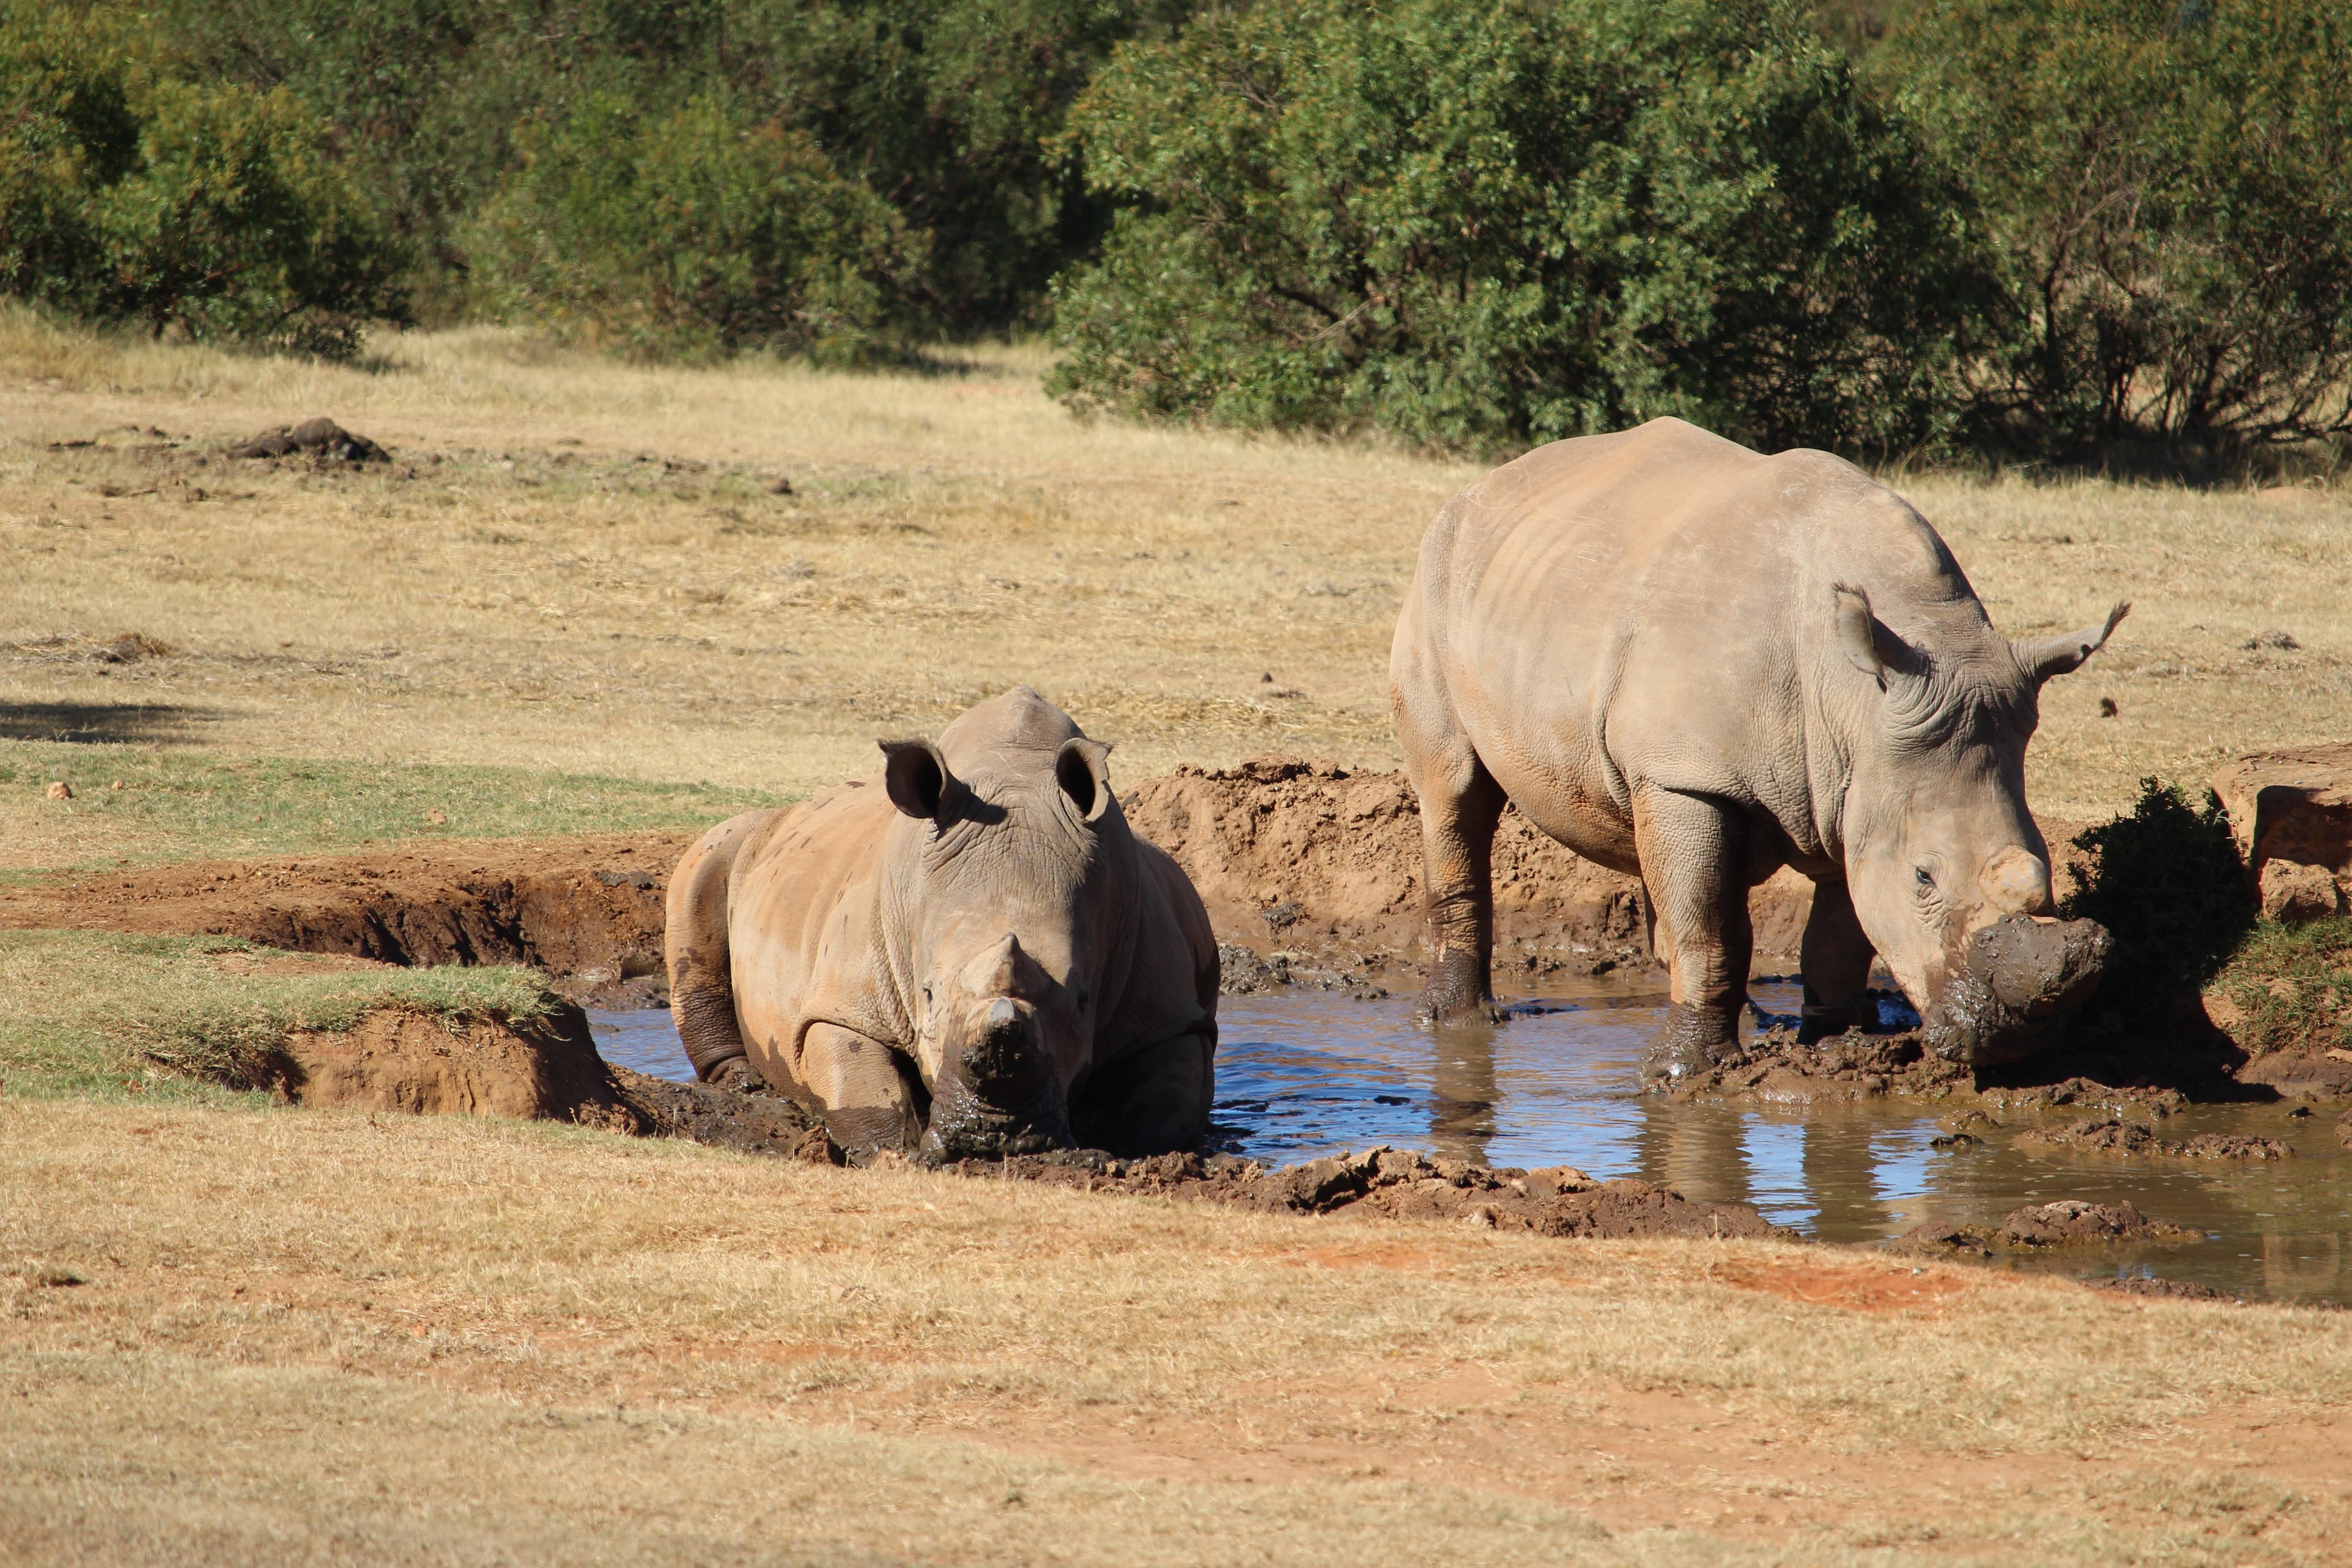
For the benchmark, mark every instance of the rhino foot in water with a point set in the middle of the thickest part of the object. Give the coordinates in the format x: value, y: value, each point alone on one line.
x: 2021, y: 981
x: 970, y: 956
x: 1698, y: 664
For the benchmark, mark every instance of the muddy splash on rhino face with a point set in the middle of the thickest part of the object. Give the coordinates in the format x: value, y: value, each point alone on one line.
x: 2021, y: 981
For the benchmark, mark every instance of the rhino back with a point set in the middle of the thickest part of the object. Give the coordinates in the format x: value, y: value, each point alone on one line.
x: 1644, y: 606
x: 807, y: 925
x: 1170, y: 983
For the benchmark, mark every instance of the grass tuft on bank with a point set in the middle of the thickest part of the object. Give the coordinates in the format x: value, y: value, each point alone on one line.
x: 2291, y: 986
x: 180, y: 805
x: 106, y: 1015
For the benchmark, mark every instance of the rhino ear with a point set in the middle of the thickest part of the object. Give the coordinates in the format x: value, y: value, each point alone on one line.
x: 1869, y: 647
x: 1082, y: 767
x: 918, y: 779
x: 2063, y: 656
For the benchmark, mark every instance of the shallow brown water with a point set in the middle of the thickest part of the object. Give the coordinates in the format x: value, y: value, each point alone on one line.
x: 1311, y: 1073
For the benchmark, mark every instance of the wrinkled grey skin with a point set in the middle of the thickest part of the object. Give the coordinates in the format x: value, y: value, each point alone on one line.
x: 1688, y: 660
x: 969, y: 956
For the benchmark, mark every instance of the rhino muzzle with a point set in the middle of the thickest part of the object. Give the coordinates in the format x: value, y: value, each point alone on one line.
x: 2021, y: 981
x: 1000, y: 1094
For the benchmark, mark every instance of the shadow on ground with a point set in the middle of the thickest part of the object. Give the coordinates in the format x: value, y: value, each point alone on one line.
x: 101, y: 723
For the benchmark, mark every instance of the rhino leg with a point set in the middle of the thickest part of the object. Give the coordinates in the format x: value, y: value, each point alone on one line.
x: 867, y: 1102
x: 695, y: 936
x: 1460, y: 805
x: 1836, y: 964
x: 1154, y: 1100
x: 1693, y: 853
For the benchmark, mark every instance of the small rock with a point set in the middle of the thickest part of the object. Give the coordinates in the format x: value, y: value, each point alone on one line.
x: 116, y: 784
x: 438, y: 817
x: 60, y: 791
x: 2072, y: 1222
x: 2107, y: 708
x: 780, y: 487
x: 2295, y: 893
x: 2282, y: 640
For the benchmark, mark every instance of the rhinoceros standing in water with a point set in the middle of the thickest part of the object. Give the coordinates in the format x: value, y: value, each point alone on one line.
x: 1685, y: 660
x: 972, y: 955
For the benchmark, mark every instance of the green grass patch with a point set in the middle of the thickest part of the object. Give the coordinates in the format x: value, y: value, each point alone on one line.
x: 2293, y: 986
x: 99, y: 1012
x: 179, y: 804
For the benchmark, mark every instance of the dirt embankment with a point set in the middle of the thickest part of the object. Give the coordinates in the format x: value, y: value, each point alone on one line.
x: 1293, y: 859
x: 542, y: 1068
x: 1304, y: 855
x: 588, y: 910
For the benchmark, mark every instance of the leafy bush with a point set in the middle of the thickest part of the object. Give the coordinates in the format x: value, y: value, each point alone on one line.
x: 131, y: 196
x: 943, y: 108
x: 2166, y: 189
x: 1510, y: 223
x: 2168, y: 882
x: 689, y: 231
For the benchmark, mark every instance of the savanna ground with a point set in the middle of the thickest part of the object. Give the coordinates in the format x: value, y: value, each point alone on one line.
x: 580, y: 598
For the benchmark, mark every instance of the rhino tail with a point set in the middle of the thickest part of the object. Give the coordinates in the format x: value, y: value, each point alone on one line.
x: 701, y: 987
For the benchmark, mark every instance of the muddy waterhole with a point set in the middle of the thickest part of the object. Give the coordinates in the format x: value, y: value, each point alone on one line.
x: 1307, y: 1074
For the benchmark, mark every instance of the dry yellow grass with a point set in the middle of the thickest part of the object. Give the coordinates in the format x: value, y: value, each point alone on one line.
x: 305, y: 1337
x: 578, y: 564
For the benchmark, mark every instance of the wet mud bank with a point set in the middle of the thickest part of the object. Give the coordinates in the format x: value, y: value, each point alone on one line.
x: 1381, y: 1184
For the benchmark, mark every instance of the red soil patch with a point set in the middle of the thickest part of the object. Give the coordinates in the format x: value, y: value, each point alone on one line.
x: 1827, y: 1285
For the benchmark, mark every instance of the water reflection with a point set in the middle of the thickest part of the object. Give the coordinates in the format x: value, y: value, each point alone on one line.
x: 1303, y: 1075
x: 1306, y: 1075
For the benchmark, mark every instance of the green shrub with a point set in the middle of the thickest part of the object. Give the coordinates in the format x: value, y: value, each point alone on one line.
x: 2167, y: 881
x: 132, y: 196
x: 2166, y: 188
x: 687, y: 232
x: 1510, y: 223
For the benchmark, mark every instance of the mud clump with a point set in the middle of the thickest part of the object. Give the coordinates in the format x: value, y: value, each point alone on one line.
x: 2115, y: 1135
x: 2172, y: 1290
x: 321, y: 438
x: 2039, y: 1227
x: 747, y: 1123
x: 2021, y: 983
x: 1777, y: 1065
x: 2072, y: 1222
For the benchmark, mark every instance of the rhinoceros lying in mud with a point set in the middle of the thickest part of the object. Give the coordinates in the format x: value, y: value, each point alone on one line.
x: 1685, y: 659
x: 972, y: 955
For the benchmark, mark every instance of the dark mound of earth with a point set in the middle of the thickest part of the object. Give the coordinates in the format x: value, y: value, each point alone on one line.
x: 2121, y: 1137
x: 2176, y: 1290
x: 323, y: 438
x: 2070, y: 1221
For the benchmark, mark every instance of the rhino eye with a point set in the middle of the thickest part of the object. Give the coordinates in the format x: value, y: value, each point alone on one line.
x: 1924, y: 876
